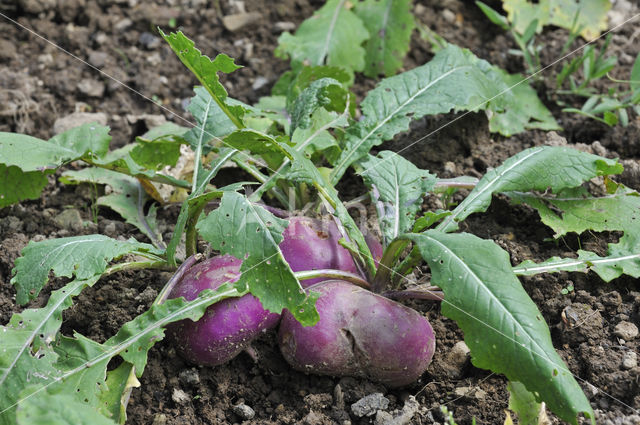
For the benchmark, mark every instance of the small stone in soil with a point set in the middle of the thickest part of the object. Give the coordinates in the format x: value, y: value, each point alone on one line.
x: 179, y: 396
x: 284, y: 26
x: 149, y: 40
x: 369, y: 405
x: 235, y: 22
x: 630, y: 360
x: 244, y: 412
x: 187, y: 376
x: 457, y: 360
x: 91, y: 88
x: 69, y: 219
x: 97, y: 59
x: 626, y: 331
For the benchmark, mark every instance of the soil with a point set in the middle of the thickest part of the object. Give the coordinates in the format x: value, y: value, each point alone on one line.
x: 40, y: 84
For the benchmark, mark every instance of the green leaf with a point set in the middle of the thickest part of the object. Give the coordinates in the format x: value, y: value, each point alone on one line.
x: 17, y: 185
x: 78, y: 365
x: 538, y: 168
x: 524, y: 404
x: 390, y: 24
x: 397, y: 188
x: 206, y: 71
x: 454, y: 80
x: 127, y: 198
x: 520, y: 109
x: 249, y: 232
x: 119, y: 383
x: 493, y: 15
x: 213, y: 123
x: 332, y: 36
x: 317, y: 138
x: 28, y: 357
x: 307, y: 75
x: 81, y: 257
x: 575, y: 210
x: 156, y: 154
x: 58, y: 409
x: 166, y: 131
x: 25, y: 160
x: 503, y: 328
x: 591, y: 15
x: 635, y: 75
x: 324, y: 93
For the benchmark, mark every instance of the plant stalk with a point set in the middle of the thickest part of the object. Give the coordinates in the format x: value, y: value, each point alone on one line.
x: 385, y: 270
x: 177, y: 276
x: 334, y: 274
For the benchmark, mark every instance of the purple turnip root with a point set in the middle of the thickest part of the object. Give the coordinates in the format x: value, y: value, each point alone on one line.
x: 311, y: 244
x: 359, y: 334
x: 228, y: 326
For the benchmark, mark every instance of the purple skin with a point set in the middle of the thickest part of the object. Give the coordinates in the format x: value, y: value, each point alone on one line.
x: 311, y: 244
x: 359, y: 334
x: 227, y: 327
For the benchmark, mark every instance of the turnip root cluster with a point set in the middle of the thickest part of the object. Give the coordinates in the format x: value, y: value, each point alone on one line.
x: 359, y: 333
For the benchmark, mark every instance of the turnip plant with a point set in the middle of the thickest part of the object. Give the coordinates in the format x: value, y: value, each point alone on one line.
x: 296, y: 146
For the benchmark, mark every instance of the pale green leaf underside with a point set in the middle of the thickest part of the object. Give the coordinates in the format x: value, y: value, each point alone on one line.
x: 79, y: 256
x: 397, y: 187
x: 524, y: 404
x: 538, y: 168
x: 332, y: 36
x: 213, y: 123
x: 390, y: 23
x: 251, y: 233
x: 502, y: 326
x: 127, y: 198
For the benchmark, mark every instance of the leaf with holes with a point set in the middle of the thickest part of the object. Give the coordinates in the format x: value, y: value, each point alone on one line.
x: 81, y: 257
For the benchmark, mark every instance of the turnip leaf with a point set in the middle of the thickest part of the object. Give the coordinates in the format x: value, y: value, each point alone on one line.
x: 38, y: 361
x: 25, y: 160
x: 332, y: 36
x: 575, y: 210
x: 60, y: 409
x: 251, y: 233
x: 524, y: 404
x: 390, y: 23
x: 127, y: 198
x: 28, y: 356
x: 591, y: 15
x: 324, y: 93
x: 502, y: 326
x: 539, y: 168
x: 212, y: 121
x: 398, y: 187
x: 455, y: 80
x: 206, y: 71
x: 81, y: 257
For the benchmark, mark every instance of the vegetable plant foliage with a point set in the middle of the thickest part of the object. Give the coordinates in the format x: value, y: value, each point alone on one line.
x: 297, y: 145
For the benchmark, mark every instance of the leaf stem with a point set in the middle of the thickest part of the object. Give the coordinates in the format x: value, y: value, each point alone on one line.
x: 158, y: 178
x: 177, y: 276
x: 333, y: 274
x: 138, y: 265
x: 191, y: 234
x: 385, y: 268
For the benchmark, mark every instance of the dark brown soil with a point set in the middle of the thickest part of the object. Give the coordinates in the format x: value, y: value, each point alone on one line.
x: 39, y: 84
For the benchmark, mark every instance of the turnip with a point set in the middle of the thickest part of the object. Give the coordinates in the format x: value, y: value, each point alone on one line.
x: 359, y: 334
x: 227, y: 327
x: 311, y: 244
